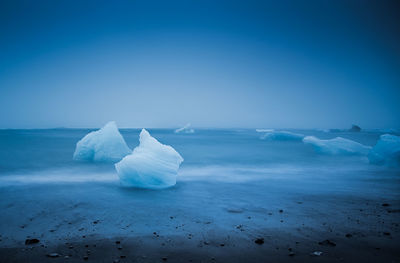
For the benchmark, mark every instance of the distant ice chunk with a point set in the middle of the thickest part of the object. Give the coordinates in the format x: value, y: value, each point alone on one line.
x: 151, y: 165
x: 185, y: 129
x: 386, y: 151
x: 104, y: 145
x: 337, y: 146
x: 264, y: 130
x: 390, y: 131
x: 273, y: 135
x: 355, y: 128
x: 322, y: 130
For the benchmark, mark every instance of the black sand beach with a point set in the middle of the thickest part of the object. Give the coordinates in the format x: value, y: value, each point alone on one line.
x: 155, y: 227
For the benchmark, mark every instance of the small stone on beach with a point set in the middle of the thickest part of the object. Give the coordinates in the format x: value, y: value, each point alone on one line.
x: 259, y: 241
x: 31, y: 241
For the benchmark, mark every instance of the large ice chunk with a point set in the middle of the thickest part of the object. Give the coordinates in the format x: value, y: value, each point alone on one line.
x: 151, y: 165
x: 337, y: 146
x: 273, y: 135
x: 386, y: 151
x: 104, y: 145
x: 185, y: 129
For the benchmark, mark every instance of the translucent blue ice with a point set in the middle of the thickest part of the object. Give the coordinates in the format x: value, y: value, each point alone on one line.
x: 337, y: 146
x: 104, y: 145
x: 151, y: 165
x: 273, y: 135
x: 386, y: 151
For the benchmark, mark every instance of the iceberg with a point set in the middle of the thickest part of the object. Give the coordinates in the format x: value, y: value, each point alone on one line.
x: 151, y: 165
x: 386, y: 151
x: 272, y: 135
x: 185, y: 129
x: 355, y: 128
x: 104, y: 145
x: 337, y: 146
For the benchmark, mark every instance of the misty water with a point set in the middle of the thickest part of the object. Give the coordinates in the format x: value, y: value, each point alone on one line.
x: 231, y: 185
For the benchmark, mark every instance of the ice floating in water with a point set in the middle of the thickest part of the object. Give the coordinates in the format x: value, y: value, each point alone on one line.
x: 337, y: 146
x: 104, y: 145
x: 151, y: 165
x: 386, y: 151
x: 355, y: 128
x: 264, y: 130
x: 322, y: 130
x: 185, y: 129
x: 281, y: 136
x: 391, y: 131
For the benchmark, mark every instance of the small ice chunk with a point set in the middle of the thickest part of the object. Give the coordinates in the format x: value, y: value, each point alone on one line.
x: 151, y: 165
x: 390, y: 131
x: 386, y: 151
x: 264, y: 130
x: 322, y: 130
x: 281, y: 136
x: 185, y: 129
x: 104, y: 145
x: 355, y: 128
x: 337, y: 146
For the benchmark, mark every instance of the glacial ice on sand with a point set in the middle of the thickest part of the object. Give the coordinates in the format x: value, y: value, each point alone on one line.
x: 151, y: 165
x: 185, y: 129
x: 273, y: 135
x: 386, y: 151
x: 337, y: 146
x: 104, y: 145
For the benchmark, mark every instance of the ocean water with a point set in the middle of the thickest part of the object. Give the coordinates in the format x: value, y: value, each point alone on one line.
x: 231, y: 174
x: 227, y: 155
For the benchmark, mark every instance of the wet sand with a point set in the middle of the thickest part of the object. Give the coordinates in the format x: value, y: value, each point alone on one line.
x: 278, y: 246
x: 217, y: 228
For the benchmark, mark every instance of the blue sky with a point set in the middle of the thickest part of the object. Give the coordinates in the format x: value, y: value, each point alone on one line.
x: 298, y: 64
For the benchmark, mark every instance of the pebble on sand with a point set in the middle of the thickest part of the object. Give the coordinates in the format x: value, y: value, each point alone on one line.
x: 259, y: 241
x: 31, y: 241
